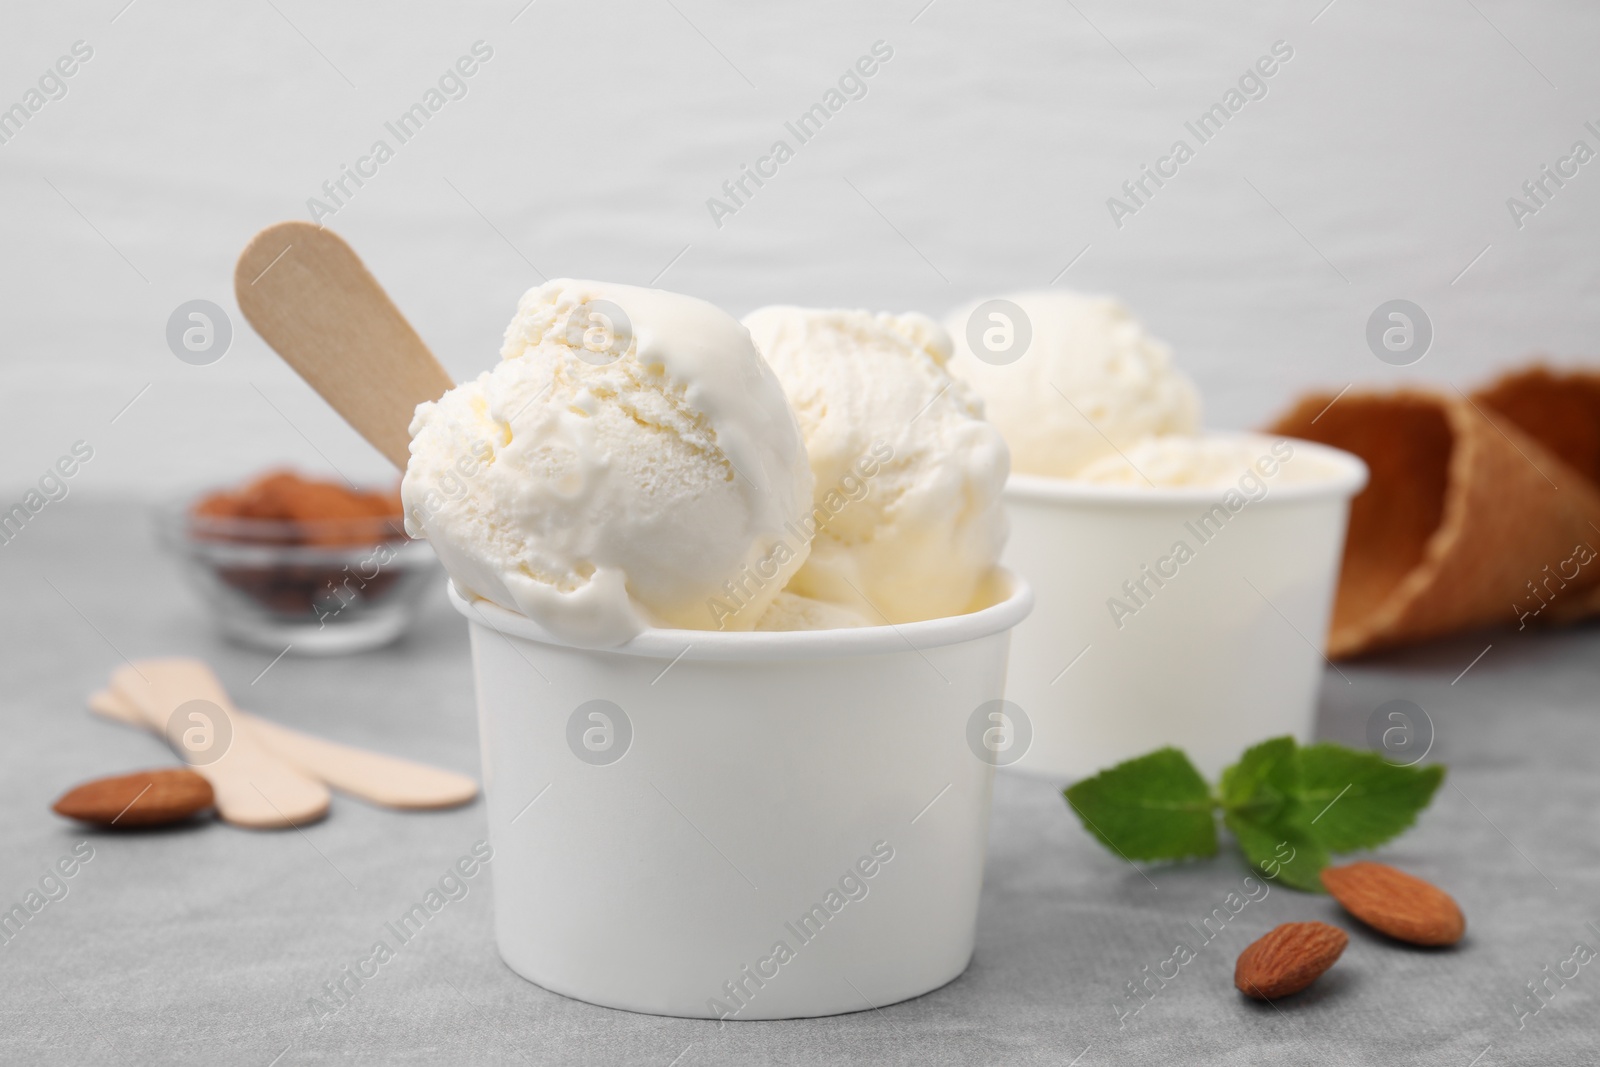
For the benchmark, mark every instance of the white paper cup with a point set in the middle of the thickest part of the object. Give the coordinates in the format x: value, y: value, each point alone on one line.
x: 1222, y: 653
x: 664, y: 814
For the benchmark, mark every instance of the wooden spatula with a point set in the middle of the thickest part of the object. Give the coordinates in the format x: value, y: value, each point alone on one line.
x: 253, y: 787
x: 372, y: 776
x: 310, y: 297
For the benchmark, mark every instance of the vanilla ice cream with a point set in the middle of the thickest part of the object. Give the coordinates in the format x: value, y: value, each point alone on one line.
x: 1210, y: 461
x: 791, y: 611
x: 1090, y: 380
x: 630, y: 462
x: 906, y: 521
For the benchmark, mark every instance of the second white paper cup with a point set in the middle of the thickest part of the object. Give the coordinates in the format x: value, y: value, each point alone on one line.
x: 740, y: 825
x: 1130, y: 649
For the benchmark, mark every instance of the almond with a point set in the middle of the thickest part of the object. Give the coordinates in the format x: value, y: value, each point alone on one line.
x: 144, y: 798
x: 1395, y: 903
x: 1288, y: 959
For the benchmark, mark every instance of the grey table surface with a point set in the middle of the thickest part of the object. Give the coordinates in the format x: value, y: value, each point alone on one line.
x: 202, y: 945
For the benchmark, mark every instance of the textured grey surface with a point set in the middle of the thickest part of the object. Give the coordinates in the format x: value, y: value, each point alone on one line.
x: 203, y: 945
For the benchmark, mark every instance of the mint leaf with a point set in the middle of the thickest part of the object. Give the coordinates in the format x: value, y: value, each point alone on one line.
x: 1154, y: 807
x: 1264, y: 776
x: 1357, y: 800
x: 1264, y: 808
x: 1281, y: 849
x: 1288, y: 807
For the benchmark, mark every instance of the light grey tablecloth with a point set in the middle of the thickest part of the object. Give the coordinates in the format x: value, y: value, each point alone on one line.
x: 203, y: 945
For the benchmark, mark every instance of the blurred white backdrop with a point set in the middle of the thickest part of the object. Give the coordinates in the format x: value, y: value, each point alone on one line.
x: 1377, y: 166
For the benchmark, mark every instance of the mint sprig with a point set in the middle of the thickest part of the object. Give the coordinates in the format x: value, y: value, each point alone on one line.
x: 1261, y: 798
x: 1289, y: 807
x: 1156, y: 807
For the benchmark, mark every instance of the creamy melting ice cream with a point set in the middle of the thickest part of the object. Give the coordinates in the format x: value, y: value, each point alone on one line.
x: 1209, y: 462
x: 791, y: 611
x: 630, y: 462
x: 907, y: 520
x: 1090, y: 382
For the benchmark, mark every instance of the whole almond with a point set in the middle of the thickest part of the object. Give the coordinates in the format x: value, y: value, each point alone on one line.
x: 1395, y: 903
x: 144, y: 798
x: 1288, y: 959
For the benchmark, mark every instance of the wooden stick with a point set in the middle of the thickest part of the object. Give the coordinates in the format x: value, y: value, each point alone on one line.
x: 312, y: 299
x: 387, y: 780
x: 183, y: 701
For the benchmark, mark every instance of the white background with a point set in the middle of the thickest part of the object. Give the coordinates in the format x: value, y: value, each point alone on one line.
x: 1378, y: 166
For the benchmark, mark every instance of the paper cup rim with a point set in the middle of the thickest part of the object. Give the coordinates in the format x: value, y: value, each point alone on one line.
x: 1347, y: 476
x: 752, y: 645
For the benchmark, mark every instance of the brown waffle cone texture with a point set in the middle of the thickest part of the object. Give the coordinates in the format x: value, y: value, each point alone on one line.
x: 1475, y: 510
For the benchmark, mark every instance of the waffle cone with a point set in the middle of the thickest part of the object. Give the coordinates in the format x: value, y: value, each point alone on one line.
x: 1561, y: 410
x: 1466, y: 521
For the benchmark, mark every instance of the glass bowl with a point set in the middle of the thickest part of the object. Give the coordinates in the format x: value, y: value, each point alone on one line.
x: 317, y: 587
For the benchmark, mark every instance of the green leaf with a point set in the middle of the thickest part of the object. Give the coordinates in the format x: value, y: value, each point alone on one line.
x: 1263, y: 807
x: 1358, y: 800
x: 1154, y: 807
x: 1288, y: 807
x: 1264, y: 775
x: 1281, y: 849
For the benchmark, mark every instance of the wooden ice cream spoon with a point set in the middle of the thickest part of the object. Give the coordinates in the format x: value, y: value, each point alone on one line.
x: 372, y: 776
x: 183, y: 701
x: 311, y: 298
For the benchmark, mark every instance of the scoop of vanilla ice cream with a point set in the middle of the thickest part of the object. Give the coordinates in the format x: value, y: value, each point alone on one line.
x: 1090, y: 381
x: 630, y: 462
x: 907, y: 519
x: 792, y: 611
x: 1208, y: 462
